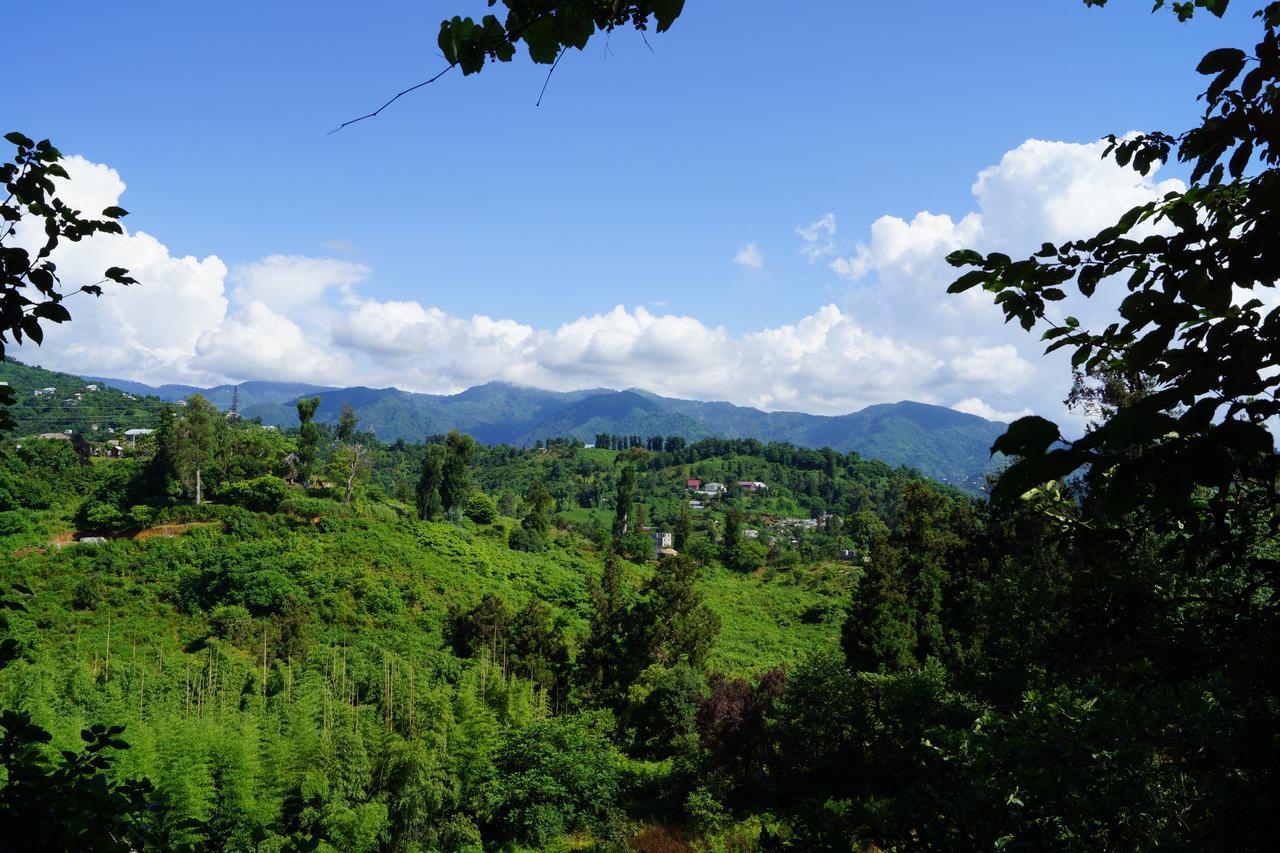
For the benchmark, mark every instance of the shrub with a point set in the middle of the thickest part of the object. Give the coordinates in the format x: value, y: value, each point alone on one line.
x: 308, y: 507
x: 744, y: 557
x: 100, y: 516
x: 14, y: 521
x: 554, y: 776
x: 823, y: 611
x: 662, y: 708
x: 636, y: 547
x: 523, y: 539
x: 261, y: 494
x: 706, y: 811
x: 701, y: 550
x: 231, y: 622
x: 461, y: 834
x: 141, y: 515
x: 87, y: 592
x: 481, y: 509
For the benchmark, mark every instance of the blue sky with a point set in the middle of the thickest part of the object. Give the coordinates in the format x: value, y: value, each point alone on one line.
x: 636, y: 182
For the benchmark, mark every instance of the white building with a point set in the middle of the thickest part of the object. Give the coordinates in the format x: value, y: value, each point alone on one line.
x: 133, y: 434
x: 661, y: 539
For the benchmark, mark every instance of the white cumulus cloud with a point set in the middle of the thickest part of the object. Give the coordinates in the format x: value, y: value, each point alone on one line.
x: 1040, y: 191
x: 894, y: 335
x: 975, y: 406
x: 818, y: 238
x: 749, y: 256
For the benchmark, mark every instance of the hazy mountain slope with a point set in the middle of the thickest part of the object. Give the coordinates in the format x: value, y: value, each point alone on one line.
x: 251, y: 393
x: 941, y: 442
x: 616, y: 412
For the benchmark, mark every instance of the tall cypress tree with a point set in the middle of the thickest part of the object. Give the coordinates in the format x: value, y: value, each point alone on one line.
x: 878, y: 634
x: 348, y: 421
x: 308, y: 436
x: 429, y: 479
x: 458, y: 449
x: 538, y: 503
x: 622, y: 512
x: 604, y: 661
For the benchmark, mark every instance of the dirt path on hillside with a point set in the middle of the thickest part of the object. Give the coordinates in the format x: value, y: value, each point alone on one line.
x: 173, y: 529
x: 71, y: 537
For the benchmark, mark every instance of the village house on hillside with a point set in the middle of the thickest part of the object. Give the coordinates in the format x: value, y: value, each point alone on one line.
x: 132, y: 435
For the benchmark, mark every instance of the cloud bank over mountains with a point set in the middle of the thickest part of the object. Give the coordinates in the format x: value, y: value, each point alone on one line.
x: 894, y: 333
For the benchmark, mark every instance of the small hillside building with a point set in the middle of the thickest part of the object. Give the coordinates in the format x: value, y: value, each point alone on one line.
x: 661, y: 539
x: 133, y: 434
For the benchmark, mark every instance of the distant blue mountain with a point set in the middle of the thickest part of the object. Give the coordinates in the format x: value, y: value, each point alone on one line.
x: 945, y: 444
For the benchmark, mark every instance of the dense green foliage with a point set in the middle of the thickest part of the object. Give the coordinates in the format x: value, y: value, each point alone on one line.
x: 841, y: 656
x: 290, y: 667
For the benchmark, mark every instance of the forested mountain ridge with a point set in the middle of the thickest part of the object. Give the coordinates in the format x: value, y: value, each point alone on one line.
x: 942, y: 443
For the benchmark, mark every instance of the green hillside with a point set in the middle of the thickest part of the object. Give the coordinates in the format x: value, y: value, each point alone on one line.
x: 275, y: 637
x: 100, y: 413
x: 347, y: 645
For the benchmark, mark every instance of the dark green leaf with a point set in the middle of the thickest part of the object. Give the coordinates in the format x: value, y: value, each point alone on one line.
x: 968, y: 281
x: 1222, y: 59
x: 964, y: 258
x: 666, y: 12
x: 1028, y: 436
x: 1182, y: 213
